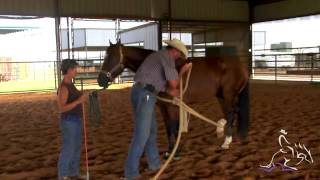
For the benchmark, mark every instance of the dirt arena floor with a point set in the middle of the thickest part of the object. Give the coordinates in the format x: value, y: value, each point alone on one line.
x: 30, y: 138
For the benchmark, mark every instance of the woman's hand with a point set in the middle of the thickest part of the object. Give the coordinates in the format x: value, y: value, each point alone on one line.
x: 63, y: 97
x: 83, y: 98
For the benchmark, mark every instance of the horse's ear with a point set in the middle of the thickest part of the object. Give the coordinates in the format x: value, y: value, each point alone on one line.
x: 119, y: 41
x: 110, y: 42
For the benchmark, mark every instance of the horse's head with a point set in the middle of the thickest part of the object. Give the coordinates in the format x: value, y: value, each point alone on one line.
x: 113, y: 64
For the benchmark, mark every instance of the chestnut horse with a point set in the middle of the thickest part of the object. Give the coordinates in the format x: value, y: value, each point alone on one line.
x: 225, y: 77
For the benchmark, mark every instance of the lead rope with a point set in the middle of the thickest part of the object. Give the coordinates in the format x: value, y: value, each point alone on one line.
x: 184, y: 112
x: 94, y: 109
x: 85, y: 140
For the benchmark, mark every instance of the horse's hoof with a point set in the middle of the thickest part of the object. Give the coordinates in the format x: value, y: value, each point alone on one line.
x: 227, y: 142
x: 176, y: 157
x: 225, y: 146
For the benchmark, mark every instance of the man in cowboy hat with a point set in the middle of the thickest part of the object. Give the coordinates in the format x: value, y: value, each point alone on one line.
x: 156, y: 74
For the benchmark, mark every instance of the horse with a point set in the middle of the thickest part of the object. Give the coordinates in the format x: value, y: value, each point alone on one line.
x: 223, y: 77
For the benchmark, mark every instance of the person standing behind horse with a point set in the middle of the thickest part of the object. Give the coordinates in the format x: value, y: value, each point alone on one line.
x: 157, y: 72
x: 69, y: 103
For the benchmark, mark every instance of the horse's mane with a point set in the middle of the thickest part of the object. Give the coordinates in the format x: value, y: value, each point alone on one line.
x: 146, y: 52
x: 141, y: 51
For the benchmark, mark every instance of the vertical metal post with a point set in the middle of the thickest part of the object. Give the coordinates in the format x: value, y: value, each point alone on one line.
x: 159, y: 35
x: 100, y: 57
x: 205, y: 43
x: 58, y: 40
x: 251, y: 21
x: 276, y: 68
x: 68, y: 35
x: 55, y: 75
x: 72, y: 38
x: 170, y: 29
x: 251, y: 54
x: 85, y: 46
x: 169, y: 18
x: 117, y: 29
x: 192, y: 48
x: 312, y: 67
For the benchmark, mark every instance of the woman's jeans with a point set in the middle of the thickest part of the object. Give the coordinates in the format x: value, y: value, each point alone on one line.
x: 71, y: 138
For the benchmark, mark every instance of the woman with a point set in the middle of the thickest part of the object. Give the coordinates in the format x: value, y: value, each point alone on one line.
x: 70, y: 105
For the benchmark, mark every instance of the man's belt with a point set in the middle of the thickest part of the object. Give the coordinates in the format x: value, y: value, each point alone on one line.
x: 148, y: 87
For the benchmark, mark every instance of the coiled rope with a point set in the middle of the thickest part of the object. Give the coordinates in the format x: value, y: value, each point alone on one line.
x: 184, y: 115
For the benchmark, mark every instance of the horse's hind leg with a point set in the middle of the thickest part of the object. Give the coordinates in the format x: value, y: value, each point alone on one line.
x: 243, y: 113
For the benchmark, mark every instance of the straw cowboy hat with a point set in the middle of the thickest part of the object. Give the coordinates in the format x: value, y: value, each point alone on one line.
x: 176, y: 43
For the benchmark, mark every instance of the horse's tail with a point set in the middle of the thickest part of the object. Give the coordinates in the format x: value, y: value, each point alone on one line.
x: 243, y: 112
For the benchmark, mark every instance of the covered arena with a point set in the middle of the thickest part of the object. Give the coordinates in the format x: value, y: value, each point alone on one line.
x: 284, y: 85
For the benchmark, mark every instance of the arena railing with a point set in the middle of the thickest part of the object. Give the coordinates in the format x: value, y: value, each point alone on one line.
x: 288, y: 64
x: 37, y: 76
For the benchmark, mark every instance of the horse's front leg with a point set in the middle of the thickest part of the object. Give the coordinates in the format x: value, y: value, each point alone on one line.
x: 229, y: 109
x: 166, y: 120
x: 170, y: 115
x: 228, y: 138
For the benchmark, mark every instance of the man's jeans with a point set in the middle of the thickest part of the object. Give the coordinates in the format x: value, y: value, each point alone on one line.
x: 71, y: 138
x: 145, y: 132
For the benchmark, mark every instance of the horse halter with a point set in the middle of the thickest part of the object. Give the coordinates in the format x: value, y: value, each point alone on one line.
x: 115, y: 68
